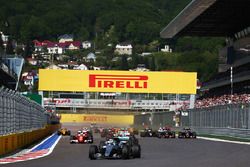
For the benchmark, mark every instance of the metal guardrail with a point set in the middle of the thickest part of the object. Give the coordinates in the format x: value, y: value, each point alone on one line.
x: 231, y: 132
x: 154, y: 120
x: 18, y: 113
x: 229, y: 120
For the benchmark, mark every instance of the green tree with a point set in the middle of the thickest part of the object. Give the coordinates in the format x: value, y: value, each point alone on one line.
x: 135, y: 61
x: 152, y: 64
x: 28, y: 49
x: 9, y: 47
x: 124, y: 63
x: 83, y: 34
x: 1, y: 43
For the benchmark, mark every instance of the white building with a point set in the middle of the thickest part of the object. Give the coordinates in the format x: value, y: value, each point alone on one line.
x: 86, y: 45
x: 140, y: 68
x: 123, y: 49
x: 53, y: 67
x: 73, y: 47
x: 81, y: 67
x: 146, y: 54
x: 66, y: 38
x: 166, y: 49
x: 91, y: 56
x: 55, y: 50
x: 4, y: 38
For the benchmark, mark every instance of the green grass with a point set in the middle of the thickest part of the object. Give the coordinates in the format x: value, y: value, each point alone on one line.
x: 229, y: 138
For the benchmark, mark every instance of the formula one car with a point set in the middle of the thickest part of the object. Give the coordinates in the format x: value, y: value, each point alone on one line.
x: 82, y: 137
x: 64, y: 132
x: 122, y: 133
x: 133, y: 131
x: 187, y: 133
x: 108, y: 133
x: 116, y: 148
x: 148, y: 132
x: 104, y: 132
x: 165, y: 132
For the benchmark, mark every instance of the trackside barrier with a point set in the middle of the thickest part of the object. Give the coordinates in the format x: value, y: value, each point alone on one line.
x: 13, y: 142
x: 154, y: 120
x: 19, y: 114
x: 227, y: 120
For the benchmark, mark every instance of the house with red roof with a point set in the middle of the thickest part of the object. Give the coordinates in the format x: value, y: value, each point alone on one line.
x: 75, y: 45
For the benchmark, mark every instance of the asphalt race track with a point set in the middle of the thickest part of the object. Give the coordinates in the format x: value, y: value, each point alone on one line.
x: 155, y: 153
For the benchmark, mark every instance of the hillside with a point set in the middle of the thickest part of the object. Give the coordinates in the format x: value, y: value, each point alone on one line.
x: 134, y: 20
x: 110, y: 22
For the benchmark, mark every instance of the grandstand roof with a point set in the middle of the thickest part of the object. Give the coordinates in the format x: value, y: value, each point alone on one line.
x: 209, y: 18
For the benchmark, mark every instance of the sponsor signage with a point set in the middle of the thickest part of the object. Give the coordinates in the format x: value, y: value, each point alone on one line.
x: 117, y: 81
x: 98, y: 118
x: 94, y: 118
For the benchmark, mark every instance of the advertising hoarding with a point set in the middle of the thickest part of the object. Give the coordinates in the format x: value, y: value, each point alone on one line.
x: 117, y: 81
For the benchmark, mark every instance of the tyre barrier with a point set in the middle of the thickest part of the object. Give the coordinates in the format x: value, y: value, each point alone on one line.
x: 12, y: 142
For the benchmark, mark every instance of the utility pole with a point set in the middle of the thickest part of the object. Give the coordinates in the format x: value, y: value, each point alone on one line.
x: 231, y: 79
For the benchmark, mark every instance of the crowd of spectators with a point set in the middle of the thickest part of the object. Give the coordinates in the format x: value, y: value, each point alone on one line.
x: 218, y: 101
x: 223, y: 100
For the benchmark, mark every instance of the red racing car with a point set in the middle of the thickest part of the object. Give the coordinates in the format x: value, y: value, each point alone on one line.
x: 82, y: 136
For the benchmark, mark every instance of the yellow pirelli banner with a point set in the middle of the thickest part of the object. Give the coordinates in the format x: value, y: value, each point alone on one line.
x: 117, y: 81
x: 98, y: 118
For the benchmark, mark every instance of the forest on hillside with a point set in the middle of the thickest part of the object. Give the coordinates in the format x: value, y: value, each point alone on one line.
x: 110, y: 22
x: 139, y: 21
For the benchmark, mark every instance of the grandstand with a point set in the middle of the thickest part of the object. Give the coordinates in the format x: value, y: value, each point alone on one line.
x: 219, y: 18
x: 224, y: 110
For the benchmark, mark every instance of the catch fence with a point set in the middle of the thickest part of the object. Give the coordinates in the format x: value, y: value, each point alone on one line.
x: 19, y: 114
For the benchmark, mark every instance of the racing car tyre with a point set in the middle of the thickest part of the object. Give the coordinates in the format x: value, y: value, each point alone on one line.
x: 102, y: 150
x: 91, y: 139
x: 180, y: 135
x: 92, y: 151
x: 71, y: 138
x: 194, y: 135
x: 173, y: 135
x: 125, y: 152
x: 69, y: 133
x: 136, y: 151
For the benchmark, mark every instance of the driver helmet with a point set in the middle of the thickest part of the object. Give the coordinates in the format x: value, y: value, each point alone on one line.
x: 110, y: 141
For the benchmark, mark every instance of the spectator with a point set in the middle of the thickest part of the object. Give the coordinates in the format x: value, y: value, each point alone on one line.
x: 223, y: 100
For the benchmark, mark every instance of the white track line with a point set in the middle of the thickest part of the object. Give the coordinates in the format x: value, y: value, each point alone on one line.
x: 226, y: 141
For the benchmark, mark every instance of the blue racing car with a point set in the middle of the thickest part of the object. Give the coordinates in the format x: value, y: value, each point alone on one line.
x: 116, y: 148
